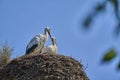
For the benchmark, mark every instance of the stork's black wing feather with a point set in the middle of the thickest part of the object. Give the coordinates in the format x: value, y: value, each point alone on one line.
x: 31, y: 49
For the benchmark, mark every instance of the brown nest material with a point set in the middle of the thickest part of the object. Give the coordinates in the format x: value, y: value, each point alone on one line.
x: 43, y: 67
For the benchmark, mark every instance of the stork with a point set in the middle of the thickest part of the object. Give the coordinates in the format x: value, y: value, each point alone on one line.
x: 51, y: 48
x: 37, y: 42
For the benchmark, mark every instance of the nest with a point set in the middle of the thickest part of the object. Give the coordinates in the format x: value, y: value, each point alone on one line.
x: 43, y: 67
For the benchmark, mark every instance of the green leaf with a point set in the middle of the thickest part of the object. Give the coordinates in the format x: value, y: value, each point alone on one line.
x: 110, y: 55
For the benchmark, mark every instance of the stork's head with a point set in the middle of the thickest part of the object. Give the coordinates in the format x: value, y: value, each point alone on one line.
x: 55, y: 47
x: 47, y: 29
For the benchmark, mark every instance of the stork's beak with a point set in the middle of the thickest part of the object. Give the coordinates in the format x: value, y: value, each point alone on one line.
x: 48, y: 30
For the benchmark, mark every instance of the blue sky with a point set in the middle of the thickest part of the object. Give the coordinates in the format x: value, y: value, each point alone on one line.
x: 20, y: 20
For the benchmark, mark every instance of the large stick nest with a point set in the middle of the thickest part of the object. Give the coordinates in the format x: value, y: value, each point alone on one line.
x: 43, y: 67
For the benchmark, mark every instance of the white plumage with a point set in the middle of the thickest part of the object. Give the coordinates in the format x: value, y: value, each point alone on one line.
x: 37, y: 42
x: 51, y: 48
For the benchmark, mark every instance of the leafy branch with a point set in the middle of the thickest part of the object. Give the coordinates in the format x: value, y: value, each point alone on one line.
x: 111, y: 54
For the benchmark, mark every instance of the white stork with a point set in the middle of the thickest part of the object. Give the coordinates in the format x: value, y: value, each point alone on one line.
x: 37, y: 42
x: 51, y: 48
